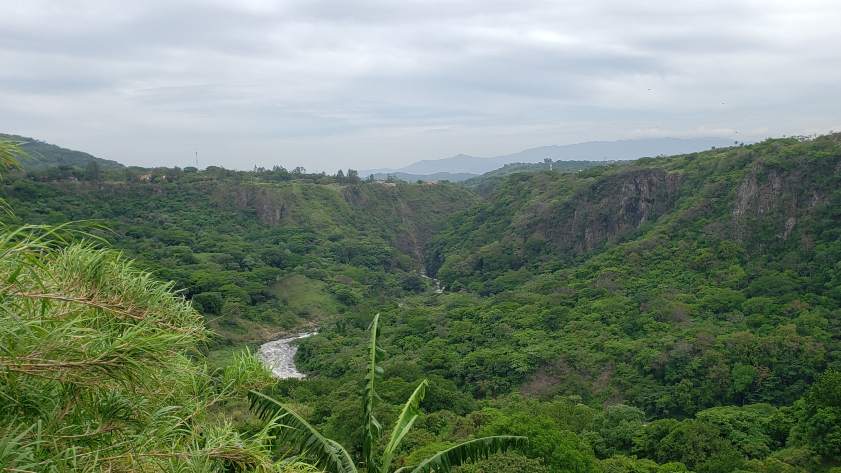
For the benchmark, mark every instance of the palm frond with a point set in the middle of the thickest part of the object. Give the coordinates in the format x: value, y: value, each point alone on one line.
x: 325, y: 453
x: 372, y: 427
x: 404, y: 423
x: 9, y: 152
x: 467, y: 452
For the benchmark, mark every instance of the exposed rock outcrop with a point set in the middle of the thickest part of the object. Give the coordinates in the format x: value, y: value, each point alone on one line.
x: 776, y: 197
x: 270, y: 207
x: 611, y: 209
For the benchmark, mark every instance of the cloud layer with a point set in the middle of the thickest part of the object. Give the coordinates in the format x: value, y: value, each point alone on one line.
x: 378, y: 83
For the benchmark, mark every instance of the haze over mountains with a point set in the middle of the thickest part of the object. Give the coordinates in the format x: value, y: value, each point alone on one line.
x: 41, y: 155
x: 463, y: 164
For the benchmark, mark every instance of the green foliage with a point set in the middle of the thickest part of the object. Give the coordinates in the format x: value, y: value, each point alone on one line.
x: 505, y: 462
x: 294, y: 431
x: 465, y: 452
x: 41, y: 156
x: 251, y: 241
x: 822, y: 426
x: 9, y: 154
x: 331, y: 456
x: 559, y: 448
x: 624, y: 464
x: 209, y: 302
x: 701, y: 302
x: 99, y: 369
x: 669, y: 314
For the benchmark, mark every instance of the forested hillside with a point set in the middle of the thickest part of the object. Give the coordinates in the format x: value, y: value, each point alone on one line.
x: 659, y: 289
x: 257, y: 254
x: 670, y: 314
x: 39, y: 156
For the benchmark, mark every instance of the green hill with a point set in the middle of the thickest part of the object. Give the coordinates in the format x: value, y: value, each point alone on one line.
x: 40, y: 155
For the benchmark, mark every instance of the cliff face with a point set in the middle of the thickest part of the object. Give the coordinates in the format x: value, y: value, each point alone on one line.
x: 774, y: 204
x: 612, y: 208
x: 270, y: 207
x: 404, y: 214
x: 777, y: 199
x: 774, y: 196
x: 410, y: 213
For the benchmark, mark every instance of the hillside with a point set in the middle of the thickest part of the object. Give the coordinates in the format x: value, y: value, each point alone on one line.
x: 766, y: 195
x: 40, y: 155
x: 258, y: 256
x: 669, y: 314
x: 674, y: 285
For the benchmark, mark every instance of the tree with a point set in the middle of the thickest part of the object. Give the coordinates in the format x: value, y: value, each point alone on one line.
x: 333, y: 458
x: 412, y: 282
x: 823, y: 409
x: 353, y: 176
x: 92, y: 172
x: 208, y: 302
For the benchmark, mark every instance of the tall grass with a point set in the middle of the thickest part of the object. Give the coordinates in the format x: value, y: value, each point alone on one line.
x: 99, y: 369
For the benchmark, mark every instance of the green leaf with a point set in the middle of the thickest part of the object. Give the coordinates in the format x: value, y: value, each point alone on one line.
x: 467, y: 452
x: 404, y: 423
x: 293, y: 429
x: 372, y: 427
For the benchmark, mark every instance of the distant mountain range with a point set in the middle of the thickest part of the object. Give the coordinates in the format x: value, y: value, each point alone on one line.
x: 461, y: 165
x: 40, y: 155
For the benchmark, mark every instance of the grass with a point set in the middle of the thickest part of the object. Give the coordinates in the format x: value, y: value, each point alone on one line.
x: 306, y: 298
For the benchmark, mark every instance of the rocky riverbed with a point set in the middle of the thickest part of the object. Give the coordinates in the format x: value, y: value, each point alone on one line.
x: 279, y: 356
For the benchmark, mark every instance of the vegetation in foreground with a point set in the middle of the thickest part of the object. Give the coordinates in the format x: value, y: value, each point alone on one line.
x: 99, y: 369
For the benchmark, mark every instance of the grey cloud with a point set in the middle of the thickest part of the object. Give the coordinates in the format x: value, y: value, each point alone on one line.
x: 383, y: 83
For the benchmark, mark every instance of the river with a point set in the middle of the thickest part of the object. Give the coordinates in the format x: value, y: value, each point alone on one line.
x: 439, y: 289
x: 279, y: 356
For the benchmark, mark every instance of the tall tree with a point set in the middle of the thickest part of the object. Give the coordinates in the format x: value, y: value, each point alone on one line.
x: 92, y: 172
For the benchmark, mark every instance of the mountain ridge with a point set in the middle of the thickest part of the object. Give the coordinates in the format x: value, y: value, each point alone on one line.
x: 617, y: 150
x: 40, y: 155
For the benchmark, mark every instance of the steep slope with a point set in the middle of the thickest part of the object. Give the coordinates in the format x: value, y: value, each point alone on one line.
x: 757, y: 194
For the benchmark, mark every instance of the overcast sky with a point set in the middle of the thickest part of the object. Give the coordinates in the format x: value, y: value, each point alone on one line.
x: 382, y: 83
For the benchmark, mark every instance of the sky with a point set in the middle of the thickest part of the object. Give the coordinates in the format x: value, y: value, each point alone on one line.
x: 383, y: 83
